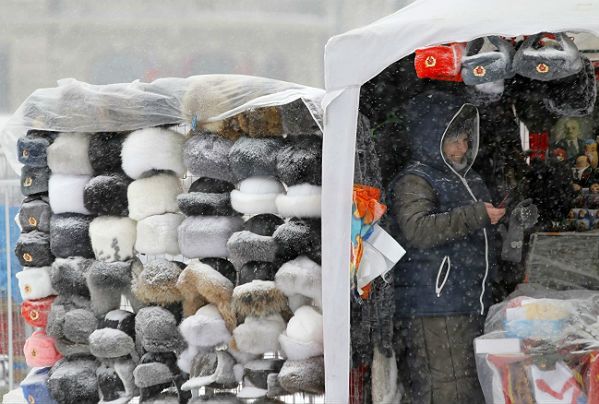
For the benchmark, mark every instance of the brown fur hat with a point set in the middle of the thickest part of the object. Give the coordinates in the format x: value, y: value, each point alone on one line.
x: 157, y: 283
x: 258, y: 299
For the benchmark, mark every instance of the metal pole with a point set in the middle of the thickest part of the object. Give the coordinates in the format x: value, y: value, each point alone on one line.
x: 11, y: 371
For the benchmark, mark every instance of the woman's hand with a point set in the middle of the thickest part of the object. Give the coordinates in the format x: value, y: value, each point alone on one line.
x: 495, y: 214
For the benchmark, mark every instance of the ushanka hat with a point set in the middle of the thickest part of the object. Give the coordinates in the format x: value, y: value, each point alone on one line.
x: 157, y: 282
x: 483, y: 64
x: 66, y: 193
x: 257, y: 195
x: 32, y: 148
x: 303, y: 336
x: 69, y: 236
x: 35, y: 283
x: 545, y: 59
x: 207, y: 155
x: 34, y: 180
x: 112, y: 341
x: 35, y: 214
x: 442, y: 62
x: 299, y: 237
x: 153, y: 149
x: 153, y: 195
x: 259, y: 245
x: 302, y: 200
x: 300, y: 161
x: 33, y: 249
x: 68, y: 154
x: 207, y: 197
x: 259, y: 335
x: 105, y: 152
x: 35, y: 311
x: 34, y: 387
x: 258, y: 299
x: 68, y: 276
x: 207, y: 236
x: 40, y: 350
x: 157, y: 235
x: 301, y: 276
x: 213, y: 369
x: 251, y: 157
x: 159, y: 379
x: 574, y: 95
x: 112, y: 238
x: 107, y: 282
x: 206, y: 328
x: 74, y: 381
x: 305, y: 375
x: 156, y: 328
x: 107, y: 195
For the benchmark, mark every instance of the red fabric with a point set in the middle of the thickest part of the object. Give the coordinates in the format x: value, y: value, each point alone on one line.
x: 356, y: 384
x: 443, y: 62
x: 593, y: 379
x: 538, y: 144
x: 35, y: 312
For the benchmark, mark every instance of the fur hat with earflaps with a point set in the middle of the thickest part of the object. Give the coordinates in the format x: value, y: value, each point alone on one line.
x: 35, y: 311
x: 259, y: 335
x: 32, y: 149
x: 35, y: 283
x: 34, y: 386
x: 73, y: 381
x: 257, y: 195
x: 156, y: 329
x: 107, y: 282
x: 207, y: 155
x: 574, y: 95
x: 34, y: 214
x: 112, y: 238
x: 71, y: 328
x: 159, y: 379
x: 34, y: 180
x: 33, y: 249
x: 250, y: 157
x: 484, y: 64
x: 303, y: 375
x: 105, y: 152
x: 107, y: 195
x: 207, y: 236
x: 255, y: 242
x: 40, y: 350
x: 158, y: 234
x: 212, y: 369
x: 65, y: 192
x: 301, y: 276
x: 68, y: 276
x: 68, y: 154
x: 69, y: 236
x: 300, y: 161
x: 205, y: 329
x: 207, y: 197
x: 157, y: 282
x: 258, y: 299
x: 153, y: 195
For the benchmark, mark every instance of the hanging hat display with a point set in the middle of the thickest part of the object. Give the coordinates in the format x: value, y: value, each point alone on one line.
x: 481, y: 65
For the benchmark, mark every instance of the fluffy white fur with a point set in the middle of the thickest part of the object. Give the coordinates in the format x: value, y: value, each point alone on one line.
x: 34, y: 283
x: 207, y: 236
x: 186, y: 358
x: 112, y: 238
x: 301, y: 200
x: 206, y: 328
x: 153, y: 195
x: 256, y: 195
x: 305, y: 325
x: 301, y: 276
x: 384, y: 378
x: 259, y: 335
x: 208, y: 95
x: 297, y: 301
x: 297, y: 350
x: 153, y: 149
x: 66, y: 193
x: 68, y: 154
x: 157, y: 234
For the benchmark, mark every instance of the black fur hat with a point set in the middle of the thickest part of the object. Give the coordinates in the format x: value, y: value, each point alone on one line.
x: 74, y: 381
x: 33, y: 249
x: 35, y: 214
x: 69, y: 235
x: 257, y: 371
x: 223, y: 266
x: 105, y: 152
x: 264, y: 224
x: 121, y: 320
x: 34, y: 180
x: 68, y: 276
x: 574, y: 95
x: 207, y: 196
x: 264, y: 271
x: 250, y: 157
x: 298, y: 237
x: 107, y: 195
x: 301, y: 161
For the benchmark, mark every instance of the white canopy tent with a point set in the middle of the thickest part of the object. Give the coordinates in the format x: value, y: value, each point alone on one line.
x: 353, y: 58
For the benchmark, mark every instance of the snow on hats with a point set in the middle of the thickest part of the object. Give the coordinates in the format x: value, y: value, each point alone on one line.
x: 480, y: 65
x: 40, y: 350
x: 258, y: 299
x: 74, y: 381
x: 574, y: 95
x: 300, y: 161
x: 207, y: 236
x: 105, y: 152
x: 68, y: 276
x: 107, y: 195
x: 259, y: 335
x: 297, y: 237
x: 34, y: 386
x: 112, y: 238
x: 207, y: 196
x: 66, y: 193
x: 69, y: 236
x: 545, y: 59
x: 35, y: 283
x: 153, y: 149
x: 303, y: 337
x: 157, y: 234
x: 33, y: 249
x: 214, y: 369
x: 34, y: 180
x: 302, y: 200
x: 256, y: 195
x: 305, y: 375
x: 68, y: 154
x: 35, y: 214
x: 32, y: 149
x: 106, y: 282
x: 157, y: 282
x: 223, y: 266
x: 301, y: 276
x: 251, y: 157
x: 206, y: 328
x: 71, y: 327
x: 153, y: 195
x: 157, y: 330
x: 35, y: 311
x: 207, y: 155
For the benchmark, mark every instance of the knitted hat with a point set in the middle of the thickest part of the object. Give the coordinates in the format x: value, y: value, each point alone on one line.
x: 34, y: 180
x: 484, y: 66
x: 255, y: 270
x: 301, y: 200
x: 257, y: 371
x: 305, y: 375
x: 68, y: 154
x: 258, y: 299
x: 540, y: 58
x: 263, y: 225
x: 33, y: 249
x: 153, y: 149
x: 34, y: 386
x: 66, y: 193
x: 223, y: 266
x: 156, y: 284
x: 298, y: 237
x: 105, y: 152
x: 256, y: 195
x: 68, y: 275
x: 107, y: 195
x: 250, y: 157
x: 69, y: 236
x: 245, y: 246
x: 207, y: 155
x: 574, y: 95
x: 207, y: 196
x: 40, y: 350
x: 157, y: 330
x: 115, y: 380
x: 206, y: 328
x: 303, y: 337
x: 35, y: 283
x: 112, y: 238
x: 32, y: 149
x: 207, y: 236
x: 300, y: 161
x: 106, y: 282
x: 301, y: 276
x: 34, y: 214
x: 35, y: 312
x: 153, y: 195
x: 212, y: 369
x: 157, y: 235
x: 74, y: 381
x: 259, y: 335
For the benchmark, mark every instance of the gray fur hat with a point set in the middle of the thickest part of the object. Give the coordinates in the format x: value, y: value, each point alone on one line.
x: 213, y: 369
x: 305, y: 376
x: 251, y: 157
x: 107, y: 195
x: 484, y: 66
x: 207, y: 197
x: 71, y: 328
x: 157, y: 330
x: 300, y: 161
x: 35, y: 214
x: 74, y: 381
x: 107, y: 282
x: 110, y: 343
x: 34, y: 180
x: 245, y: 246
x: 68, y: 276
x: 69, y: 235
x: 207, y: 155
x: 32, y: 149
x: 33, y: 249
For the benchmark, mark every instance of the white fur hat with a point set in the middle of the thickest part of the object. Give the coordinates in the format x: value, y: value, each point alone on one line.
x: 112, y: 238
x: 301, y: 276
x: 303, y: 337
x: 206, y: 328
x: 295, y: 349
x: 157, y: 234
x: 259, y: 335
x: 207, y: 236
x: 153, y: 195
x: 68, y: 154
x: 257, y: 195
x: 34, y: 283
x: 66, y: 193
x: 301, y: 200
x: 153, y: 149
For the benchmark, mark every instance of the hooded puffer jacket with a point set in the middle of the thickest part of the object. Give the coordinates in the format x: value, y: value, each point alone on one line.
x: 439, y: 215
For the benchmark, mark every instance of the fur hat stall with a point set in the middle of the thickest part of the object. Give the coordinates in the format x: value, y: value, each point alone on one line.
x: 107, y: 282
x: 259, y: 335
x: 206, y: 328
x: 69, y: 236
x: 300, y: 161
x: 105, y: 152
x: 74, y: 381
x: 66, y: 193
x: 258, y: 299
x: 35, y: 311
x: 34, y: 386
x: 112, y: 238
x: 303, y: 375
x: 157, y: 235
x: 68, y: 154
x: 257, y: 195
x: 35, y: 283
x: 69, y: 274
x: 302, y: 200
x: 207, y: 197
x: 256, y: 270
x: 34, y: 180
x: 214, y: 369
x: 250, y: 157
x: 301, y: 276
x: 156, y: 329
x: 303, y: 337
x: 107, y: 195
x: 35, y: 214
x: 207, y: 155
x: 153, y: 195
x: 207, y: 236
x: 40, y: 350
x: 574, y: 95
x: 299, y: 237
x: 157, y: 283
x: 153, y: 149
x: 33, y: 249
x: 32, y: 149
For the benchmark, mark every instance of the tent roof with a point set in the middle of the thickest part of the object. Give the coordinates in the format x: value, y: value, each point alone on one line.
x: 356, y: 56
